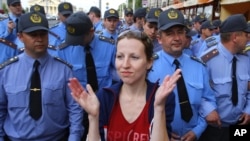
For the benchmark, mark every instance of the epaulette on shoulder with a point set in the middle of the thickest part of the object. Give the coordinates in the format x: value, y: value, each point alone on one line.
x: 10, y: 61
x: 54, y: 34
x: 54, y: 26
x: 3, y: 19
x: 51, y: 47
x: 209, y: 55
x: 210, y: 39
x: 195, y: 41
x: 20, y: 50
x: 197, y: 59
x: 99, y: 32
x: 64, y: 62
x: 63, y: 45
x: 212, y: 43
x: 155, y: 56
x: 8, y: 43
x: 246, y: 49
x: 105, y: 39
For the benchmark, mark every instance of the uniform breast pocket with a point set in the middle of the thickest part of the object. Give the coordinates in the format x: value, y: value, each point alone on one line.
x: 79, y: 72
x: 243, y: 83
x: 195, y: 90
x: 53, y: 94
x: 222, y: 86
x: 102, y: 71
x: 18, y: 96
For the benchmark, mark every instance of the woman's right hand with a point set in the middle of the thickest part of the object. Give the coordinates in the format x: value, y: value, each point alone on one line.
x: 86, y: 98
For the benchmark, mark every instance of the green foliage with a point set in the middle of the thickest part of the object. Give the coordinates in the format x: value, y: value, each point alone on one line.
x: 5, y: 8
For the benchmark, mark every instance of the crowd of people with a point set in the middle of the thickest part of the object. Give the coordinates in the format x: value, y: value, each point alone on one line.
x: 151, y: 77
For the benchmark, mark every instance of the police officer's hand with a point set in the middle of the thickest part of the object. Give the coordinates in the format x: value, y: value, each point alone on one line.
x: 86, y: 98
x: 11, y: 26
x: 213, y: 118
x: 244, y: 119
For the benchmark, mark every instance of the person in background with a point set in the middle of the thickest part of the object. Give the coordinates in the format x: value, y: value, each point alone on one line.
x: 111, y: 19
x: 7, y: 50
x: 8, y: 29
x: 35, y: 101
x: 194, y: 97
x: 197, y: 21
x: 150, y: 27
x: 95, y: 17
x: 230, y: 81
x: 128, y: 12
x: 217, y: 24
x: 139, y: 18
x: 143, y: 109
x: 188, y: 40
x: 65, y: 9
x: 206, y: 30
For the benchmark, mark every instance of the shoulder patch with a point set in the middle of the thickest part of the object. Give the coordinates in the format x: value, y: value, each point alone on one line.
x: 194, y: 42
x: 54, y: 26
x: 246, y: 49
x: 8, y: 43
x: 62, y: 46
x: 64, y: 62
x: 10, y: 61
x: 197, y: 59
x: 51, y: 47
x: 20, y: 50
x: 105, y: 39
x: 212, y: 43
x: 210, y: 39
x: 54, y: 34
x: 99, y: 32
x: 209, y: 55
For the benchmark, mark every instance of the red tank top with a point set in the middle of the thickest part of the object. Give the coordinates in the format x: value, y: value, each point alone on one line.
x: 119, y: 129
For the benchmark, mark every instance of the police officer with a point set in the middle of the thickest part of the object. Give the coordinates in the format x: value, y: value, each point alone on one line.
x: 95, y: 17
x: 206, y: 30
x: 139, y: 17
x: 230, y: 86
x: 217, y: 24
x: 197, y: 21
x: 150, y: 26
x: 7, y: 50
x: 111, y: 18
x: 128, y: 19
x: 199, y: 95
x: 82, y: 40
x: 65, y: 9
x: 35, y: 101
x: 8, y: 26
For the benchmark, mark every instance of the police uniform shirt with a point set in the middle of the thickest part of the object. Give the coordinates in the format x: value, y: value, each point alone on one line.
x: 55, y: 40
x: 206, y: 45
x: 4, y: 28
x: 60, y: 111
x: 99, y: 26
x: 201, y: 96
x: 107, y: 34
x: 60, y: 30
x: 103, y: 53
x: 195, y: 46
x: 6, y: 51
x: 157, y: 45
x: 196, y: 36
x: 133, y: 27
x: 219, y: 69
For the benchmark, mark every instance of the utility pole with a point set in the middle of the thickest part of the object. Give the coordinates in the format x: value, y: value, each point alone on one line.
x: 134, y: 5
x: 100, y: 4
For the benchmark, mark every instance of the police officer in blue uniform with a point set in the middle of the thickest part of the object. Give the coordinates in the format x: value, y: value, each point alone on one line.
x: 197, y: 21
x: 232, y: 99
x: 139, y: 17
x: 65, y: 9
x: 7, y: 50
x: 95, y: 17
x: 80, y: 33
x: 57, y: 117
x: 150, y: 27
x: 201, y: 97
x: 128, y: 19
x: 8, y: 26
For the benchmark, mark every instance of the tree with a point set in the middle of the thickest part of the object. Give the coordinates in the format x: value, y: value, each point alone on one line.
x: 5, y: 8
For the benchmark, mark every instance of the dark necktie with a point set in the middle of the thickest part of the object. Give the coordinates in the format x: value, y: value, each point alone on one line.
x: 35, y: 104
x: 234, y: 83
x: 16, y: 25
x: 90, y: 67
x: 186, y: 110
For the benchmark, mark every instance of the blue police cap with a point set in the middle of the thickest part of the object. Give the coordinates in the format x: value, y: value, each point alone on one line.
x: 200, y: 18
x: 95, y: 10
x: 234, y: 23
x: 169, y: 18
x: 217, y: 23
x: 65, y: 8
x: 128, y: 11
x: 153, y: 15
x: 10, y: 2
x: 77, y: 26
x: 32, y: 21
x: 111, y: 13
x: 141, y: 12
x: 37, y: 8
x: 207, y: 24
